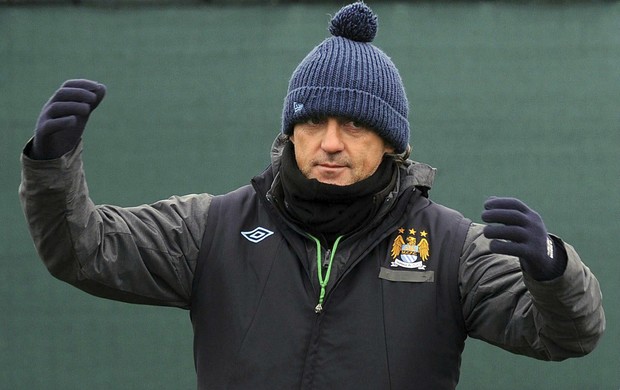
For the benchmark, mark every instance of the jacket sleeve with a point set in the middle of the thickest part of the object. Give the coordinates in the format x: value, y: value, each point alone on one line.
x: 143, y: 254
x: 551, y: 320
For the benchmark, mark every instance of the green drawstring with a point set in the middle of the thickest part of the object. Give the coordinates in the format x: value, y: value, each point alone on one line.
x: 323, y: 280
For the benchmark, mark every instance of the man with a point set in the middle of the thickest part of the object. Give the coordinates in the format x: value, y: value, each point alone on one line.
x: 332, y: 269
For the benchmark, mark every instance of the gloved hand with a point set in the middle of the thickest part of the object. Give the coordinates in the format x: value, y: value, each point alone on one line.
x: 63, y: 118
x: 519, y: 231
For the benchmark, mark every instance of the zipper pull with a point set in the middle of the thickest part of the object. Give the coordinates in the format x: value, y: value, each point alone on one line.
x: 326, y: 259
x: 318, y: 309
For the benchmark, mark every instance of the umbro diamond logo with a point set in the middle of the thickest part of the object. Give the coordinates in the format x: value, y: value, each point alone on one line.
x: 257, y: 235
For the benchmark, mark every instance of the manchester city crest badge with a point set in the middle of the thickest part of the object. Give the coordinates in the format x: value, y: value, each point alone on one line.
x: 410, y: 249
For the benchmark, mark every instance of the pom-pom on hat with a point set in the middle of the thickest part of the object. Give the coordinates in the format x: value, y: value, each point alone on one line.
x: 347, y: 76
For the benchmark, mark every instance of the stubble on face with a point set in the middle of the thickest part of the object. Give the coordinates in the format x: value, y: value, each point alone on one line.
x: 337, y: 151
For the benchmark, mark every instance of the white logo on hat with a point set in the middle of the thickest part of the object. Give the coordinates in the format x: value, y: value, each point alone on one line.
x: 297, y: 107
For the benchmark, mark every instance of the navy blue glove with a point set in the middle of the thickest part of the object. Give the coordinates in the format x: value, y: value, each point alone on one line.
x: 519, y: 231
x: 63, y: 118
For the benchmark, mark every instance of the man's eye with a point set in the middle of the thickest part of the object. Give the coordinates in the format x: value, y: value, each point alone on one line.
x: 356, y: 125
x: 314, y: 121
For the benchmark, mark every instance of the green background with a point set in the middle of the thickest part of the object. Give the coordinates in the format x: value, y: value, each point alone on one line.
x: 506, y: 99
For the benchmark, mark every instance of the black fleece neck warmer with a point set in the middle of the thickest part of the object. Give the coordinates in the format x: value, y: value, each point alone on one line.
x: 328, y: 211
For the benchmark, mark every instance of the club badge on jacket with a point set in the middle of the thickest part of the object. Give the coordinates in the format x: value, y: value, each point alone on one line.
x: 410, y: 249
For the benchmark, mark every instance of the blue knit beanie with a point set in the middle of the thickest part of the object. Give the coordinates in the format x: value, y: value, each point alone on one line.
x: 347, y: 76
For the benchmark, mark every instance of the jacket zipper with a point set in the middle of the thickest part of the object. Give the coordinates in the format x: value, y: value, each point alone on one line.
x: 326, y: 263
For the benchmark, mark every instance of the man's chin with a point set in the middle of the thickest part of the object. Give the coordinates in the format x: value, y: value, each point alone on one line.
x: 335, y: 181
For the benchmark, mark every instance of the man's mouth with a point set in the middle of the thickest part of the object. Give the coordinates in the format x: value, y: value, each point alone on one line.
x: 331, y: 165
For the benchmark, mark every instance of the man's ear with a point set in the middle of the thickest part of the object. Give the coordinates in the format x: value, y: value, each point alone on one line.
x: 387, y: 148
x: 292, y: 138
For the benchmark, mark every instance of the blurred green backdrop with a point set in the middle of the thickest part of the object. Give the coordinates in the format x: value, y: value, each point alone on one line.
x: 505, y: 99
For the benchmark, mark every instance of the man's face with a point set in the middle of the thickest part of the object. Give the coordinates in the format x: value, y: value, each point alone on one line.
x: 337, y: 151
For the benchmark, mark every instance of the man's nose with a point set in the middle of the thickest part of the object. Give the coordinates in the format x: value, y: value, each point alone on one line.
x: 332, y: 137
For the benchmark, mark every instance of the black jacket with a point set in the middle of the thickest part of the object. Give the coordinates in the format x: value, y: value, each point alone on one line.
x: 396, y: 311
